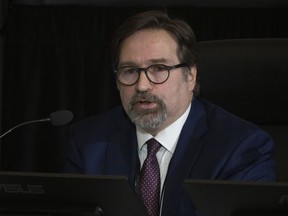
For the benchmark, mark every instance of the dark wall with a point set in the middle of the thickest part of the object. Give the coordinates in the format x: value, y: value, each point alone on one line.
x: 169, y: 3
x: 3, y: 15
x: 58, y: 57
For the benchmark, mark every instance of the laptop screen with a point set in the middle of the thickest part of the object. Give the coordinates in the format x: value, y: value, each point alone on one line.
x: 71, y: 194
x: 227, y: 198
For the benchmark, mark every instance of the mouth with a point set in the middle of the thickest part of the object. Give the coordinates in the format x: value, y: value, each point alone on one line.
x: 144, y: 104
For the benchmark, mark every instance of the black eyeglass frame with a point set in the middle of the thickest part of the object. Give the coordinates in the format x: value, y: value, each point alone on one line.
x: 138, y: 70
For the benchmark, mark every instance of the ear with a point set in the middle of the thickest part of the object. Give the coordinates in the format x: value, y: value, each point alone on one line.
x: 192, y: 78
x: 117, y: 85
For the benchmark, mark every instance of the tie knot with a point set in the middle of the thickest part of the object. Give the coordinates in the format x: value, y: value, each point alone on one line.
x: 153, y: 146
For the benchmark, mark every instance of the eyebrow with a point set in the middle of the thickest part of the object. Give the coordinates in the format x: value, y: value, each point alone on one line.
x: 151, y: 61
x: 157, y: 61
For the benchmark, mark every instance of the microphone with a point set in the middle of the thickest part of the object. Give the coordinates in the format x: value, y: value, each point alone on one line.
x: 60, y: 117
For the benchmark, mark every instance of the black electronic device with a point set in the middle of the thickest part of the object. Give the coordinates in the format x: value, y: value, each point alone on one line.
x: 52, y: 194
x: 238, y: 198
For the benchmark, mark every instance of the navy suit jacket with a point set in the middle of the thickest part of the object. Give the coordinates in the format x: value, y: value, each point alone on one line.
x: 213, y: 144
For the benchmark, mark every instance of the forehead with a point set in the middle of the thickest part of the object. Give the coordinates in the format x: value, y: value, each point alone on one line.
x: 148, y: 46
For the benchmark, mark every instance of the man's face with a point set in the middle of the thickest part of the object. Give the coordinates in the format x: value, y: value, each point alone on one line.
x: 153, y: 107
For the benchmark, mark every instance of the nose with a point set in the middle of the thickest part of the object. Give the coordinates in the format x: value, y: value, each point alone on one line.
x: 143, y: 83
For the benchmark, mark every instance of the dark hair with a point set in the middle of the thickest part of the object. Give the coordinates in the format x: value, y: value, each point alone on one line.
x: 180, y: 30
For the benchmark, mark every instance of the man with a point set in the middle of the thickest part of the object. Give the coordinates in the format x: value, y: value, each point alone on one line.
x: 156, y: 69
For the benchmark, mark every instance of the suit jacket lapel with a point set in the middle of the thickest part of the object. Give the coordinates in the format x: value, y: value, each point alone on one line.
x: 186, y: 152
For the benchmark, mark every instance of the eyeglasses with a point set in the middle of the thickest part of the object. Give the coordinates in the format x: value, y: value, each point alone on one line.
x: 156, y: 73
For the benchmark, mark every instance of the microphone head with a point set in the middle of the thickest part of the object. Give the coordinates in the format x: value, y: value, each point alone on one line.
x: 61, y: 117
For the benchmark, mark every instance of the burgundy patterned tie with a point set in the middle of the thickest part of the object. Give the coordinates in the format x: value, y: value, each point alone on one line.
x: 150, y: 179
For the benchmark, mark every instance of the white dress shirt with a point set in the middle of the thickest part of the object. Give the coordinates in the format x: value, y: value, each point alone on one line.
x: 168, y: 139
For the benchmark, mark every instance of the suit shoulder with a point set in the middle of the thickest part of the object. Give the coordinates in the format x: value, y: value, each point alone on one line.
x: 217, y: 116
x: 228, y: 131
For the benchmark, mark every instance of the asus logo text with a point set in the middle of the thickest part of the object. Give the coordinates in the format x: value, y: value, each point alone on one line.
x: 22, y: 189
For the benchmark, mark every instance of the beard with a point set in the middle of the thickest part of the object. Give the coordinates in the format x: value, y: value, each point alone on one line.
x: 147, y: 119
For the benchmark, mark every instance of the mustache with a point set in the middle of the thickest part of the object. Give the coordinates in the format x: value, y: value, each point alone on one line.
x: 145, y: 97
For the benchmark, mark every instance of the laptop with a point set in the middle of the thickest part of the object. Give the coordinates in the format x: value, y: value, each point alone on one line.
x: 233, y: 198
x: 48, y: 194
